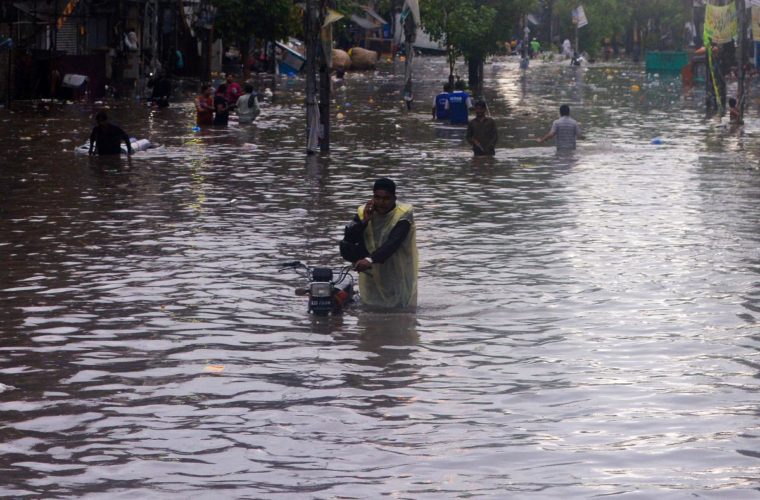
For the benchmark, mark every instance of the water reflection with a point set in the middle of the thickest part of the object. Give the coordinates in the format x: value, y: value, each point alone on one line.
x: 588, y: 315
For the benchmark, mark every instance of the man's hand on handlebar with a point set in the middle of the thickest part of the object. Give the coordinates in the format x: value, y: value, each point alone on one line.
x: 362, y: 265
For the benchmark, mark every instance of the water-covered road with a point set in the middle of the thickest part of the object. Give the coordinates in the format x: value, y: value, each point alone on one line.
x: 587, y: 324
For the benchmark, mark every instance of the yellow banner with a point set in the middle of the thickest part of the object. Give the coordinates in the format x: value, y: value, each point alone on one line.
x: 720, y: 22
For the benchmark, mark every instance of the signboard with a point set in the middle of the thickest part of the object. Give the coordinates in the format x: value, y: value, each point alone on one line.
x: 579, y: 17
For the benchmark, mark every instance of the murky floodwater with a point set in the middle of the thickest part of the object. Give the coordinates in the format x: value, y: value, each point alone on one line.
x: 587, y: 323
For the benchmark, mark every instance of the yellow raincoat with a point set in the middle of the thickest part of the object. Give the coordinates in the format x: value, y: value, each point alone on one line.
x: 394, y: 282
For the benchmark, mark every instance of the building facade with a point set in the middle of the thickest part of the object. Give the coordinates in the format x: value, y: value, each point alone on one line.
x: 72, y: 48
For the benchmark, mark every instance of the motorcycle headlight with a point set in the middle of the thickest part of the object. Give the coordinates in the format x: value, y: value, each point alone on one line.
x: 321, y: 289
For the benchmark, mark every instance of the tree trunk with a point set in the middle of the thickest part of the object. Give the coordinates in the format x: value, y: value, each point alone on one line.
x: 452, y: 65
x: 547, y: 22
x: 244, y: 51
x: 475, y: 75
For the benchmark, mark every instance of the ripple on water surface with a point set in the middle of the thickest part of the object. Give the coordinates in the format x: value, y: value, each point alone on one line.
x: 587, y: 322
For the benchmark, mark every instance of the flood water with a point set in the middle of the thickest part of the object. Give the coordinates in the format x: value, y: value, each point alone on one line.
x: 587, y: 324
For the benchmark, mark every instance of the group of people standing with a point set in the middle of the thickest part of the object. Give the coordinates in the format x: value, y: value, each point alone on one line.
x: 482, y: 133
x: 213, y: 106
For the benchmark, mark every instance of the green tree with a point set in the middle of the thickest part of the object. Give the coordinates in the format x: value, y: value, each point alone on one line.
x: 472, y: 28
x: 606, y: 19
x: 656, y: 24
x: 238, y: 20
x: 660, y: 23
x: 455, y: 24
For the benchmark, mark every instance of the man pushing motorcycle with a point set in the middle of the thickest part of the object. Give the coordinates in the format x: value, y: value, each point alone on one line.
x: 381, y: 243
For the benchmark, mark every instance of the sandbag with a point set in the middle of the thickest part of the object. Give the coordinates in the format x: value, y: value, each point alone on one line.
x: 340, y: 60
x: 363, y: 58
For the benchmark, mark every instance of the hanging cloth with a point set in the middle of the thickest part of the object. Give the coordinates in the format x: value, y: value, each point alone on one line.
x: 720, y: 23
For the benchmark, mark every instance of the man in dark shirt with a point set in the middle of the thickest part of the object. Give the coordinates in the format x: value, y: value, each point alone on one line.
x: 481, y: 132
x: 106, y: 137
x: 381, y: 242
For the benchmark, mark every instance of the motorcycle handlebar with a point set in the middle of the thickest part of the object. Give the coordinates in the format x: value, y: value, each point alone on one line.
x: 296, y: 264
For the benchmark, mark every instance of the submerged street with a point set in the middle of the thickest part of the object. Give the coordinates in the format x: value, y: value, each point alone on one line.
x: 587, y: 324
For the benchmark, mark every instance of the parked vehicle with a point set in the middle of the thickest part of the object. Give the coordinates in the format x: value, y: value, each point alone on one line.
x: 330, y: 290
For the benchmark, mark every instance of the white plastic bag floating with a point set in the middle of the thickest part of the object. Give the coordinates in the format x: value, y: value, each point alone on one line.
x: 140, y: 145
x: 137, y: 145
x: 73, y: 81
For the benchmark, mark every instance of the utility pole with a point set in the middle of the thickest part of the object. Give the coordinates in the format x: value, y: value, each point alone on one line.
x: 272, y: 58
x: 409, y: 18
x: 526, y: 38
x: 325, y: 67
x: 311, y: 32
x: 741, y: 12
x: 548, y: 12
x: 576, y: 38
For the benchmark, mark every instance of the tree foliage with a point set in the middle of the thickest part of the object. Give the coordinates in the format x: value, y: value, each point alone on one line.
x: 455, y: 24
x: 238, y: 20
x: 472, y: 28
x: 658, y: 23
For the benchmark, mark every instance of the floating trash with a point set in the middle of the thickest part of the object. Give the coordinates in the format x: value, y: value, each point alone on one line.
x: 214, y: 368
x: 657, y: 141
x: 635, y: 88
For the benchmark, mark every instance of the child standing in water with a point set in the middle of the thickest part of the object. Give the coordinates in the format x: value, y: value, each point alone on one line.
x: 733, y: 110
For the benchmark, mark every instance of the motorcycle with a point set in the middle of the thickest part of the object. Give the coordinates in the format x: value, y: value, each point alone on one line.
x: 326, y: 295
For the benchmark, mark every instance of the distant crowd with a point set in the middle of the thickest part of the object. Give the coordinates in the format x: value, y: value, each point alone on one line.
x: 213, y: 106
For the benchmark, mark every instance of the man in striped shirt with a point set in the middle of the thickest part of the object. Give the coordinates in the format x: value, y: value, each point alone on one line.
x: 565, y: 129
